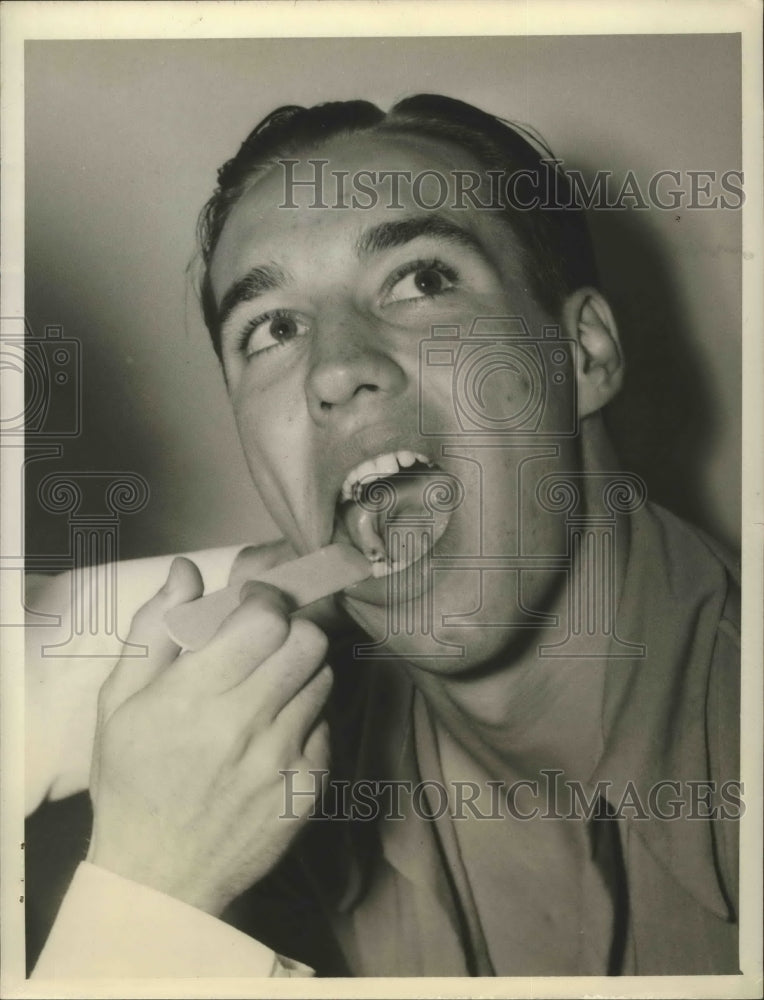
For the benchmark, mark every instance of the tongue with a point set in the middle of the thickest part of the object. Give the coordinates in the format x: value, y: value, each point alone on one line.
x: 363, y: 528
x: 391, y: 524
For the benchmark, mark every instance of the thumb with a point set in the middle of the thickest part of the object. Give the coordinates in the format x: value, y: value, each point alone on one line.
x: 132, y: 673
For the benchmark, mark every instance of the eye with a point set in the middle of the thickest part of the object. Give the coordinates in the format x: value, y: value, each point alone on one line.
x: 420, y: 280
x: 275, y: 329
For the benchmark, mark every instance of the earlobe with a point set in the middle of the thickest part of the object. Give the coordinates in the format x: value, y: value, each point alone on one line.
x: 588, y: 319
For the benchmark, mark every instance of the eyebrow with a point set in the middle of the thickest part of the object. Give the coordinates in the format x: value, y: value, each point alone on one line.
x: 256, y: 282
x: 388, y: 235
x: 385, y: 236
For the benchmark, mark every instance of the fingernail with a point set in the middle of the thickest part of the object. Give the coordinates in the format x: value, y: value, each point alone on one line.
x: 255, y: 588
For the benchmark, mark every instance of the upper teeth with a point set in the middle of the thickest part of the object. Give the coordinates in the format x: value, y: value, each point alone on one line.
x: 378, y: 468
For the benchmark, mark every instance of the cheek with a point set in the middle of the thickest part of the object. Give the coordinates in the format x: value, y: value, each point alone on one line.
x: 251, y: 422
x: 437, y: 414
x: 263, y: 432
x: 263, y: 445
x: 275, y: 439
x: 467, y: 399
x: 268, y: 418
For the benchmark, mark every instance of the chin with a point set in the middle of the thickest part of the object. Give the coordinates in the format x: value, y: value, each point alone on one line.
x: 410, y: 630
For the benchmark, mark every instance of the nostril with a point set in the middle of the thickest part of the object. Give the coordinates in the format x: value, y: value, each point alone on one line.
x: 368, y: 386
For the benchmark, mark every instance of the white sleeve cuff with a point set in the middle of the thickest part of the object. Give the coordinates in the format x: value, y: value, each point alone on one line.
x: 109, y: 926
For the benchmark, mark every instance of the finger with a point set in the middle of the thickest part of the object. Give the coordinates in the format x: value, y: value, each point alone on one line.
x: 256, y: 559
x: 278, y: 679
x: 133, y: 673
x: 299, y: 735
x: 329, y: 616
x: 316, y: 749
x: 296, y: 724
x: 247, y: 637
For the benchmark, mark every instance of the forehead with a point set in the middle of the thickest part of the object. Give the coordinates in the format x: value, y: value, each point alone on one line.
x: 262, y: 227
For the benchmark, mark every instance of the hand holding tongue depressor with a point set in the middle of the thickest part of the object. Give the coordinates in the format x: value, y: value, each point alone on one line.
x: 304, y: 580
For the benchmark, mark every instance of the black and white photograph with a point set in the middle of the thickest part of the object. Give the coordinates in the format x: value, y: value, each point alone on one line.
x: 382, y: 499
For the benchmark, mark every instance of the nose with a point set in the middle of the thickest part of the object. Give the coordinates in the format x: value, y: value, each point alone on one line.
x: 351, y: 371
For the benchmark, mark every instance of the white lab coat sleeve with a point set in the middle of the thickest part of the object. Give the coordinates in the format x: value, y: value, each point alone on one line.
x: 66, y: 665
x: 111, y: 927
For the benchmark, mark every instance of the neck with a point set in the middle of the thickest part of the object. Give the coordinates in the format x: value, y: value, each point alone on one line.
x: 526, y: 715
x: 535, y: 711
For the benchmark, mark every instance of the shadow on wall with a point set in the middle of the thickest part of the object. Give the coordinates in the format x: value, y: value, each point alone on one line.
x: 666, y: 413
x: 113, y: 438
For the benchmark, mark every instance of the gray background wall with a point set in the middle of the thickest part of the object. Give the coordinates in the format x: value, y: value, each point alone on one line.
x: 123, y: 139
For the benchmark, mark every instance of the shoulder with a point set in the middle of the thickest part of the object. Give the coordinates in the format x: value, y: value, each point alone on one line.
x: 722, y: 698
x: 707, y: 573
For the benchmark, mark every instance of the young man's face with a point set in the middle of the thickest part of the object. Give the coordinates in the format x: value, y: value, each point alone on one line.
x: 325, y: 369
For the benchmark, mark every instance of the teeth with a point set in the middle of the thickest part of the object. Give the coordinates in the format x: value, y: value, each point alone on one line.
x: 364, y: 470
x: 385, y: 465
x: 378, y: 468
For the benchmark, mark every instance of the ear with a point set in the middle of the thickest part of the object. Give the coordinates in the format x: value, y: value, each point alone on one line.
x: 588, y: 319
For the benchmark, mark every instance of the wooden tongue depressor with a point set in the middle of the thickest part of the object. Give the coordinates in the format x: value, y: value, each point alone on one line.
x: 304, y: 580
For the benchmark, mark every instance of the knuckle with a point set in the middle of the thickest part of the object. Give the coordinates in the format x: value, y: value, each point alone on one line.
x: 322, y: 684
x: 312, y: 698
x: 310, y: 702
x: 146, y: 614
x: 267, y: 619
x: 310, y: 638
x: 275, y: 627
x: 272, y: 755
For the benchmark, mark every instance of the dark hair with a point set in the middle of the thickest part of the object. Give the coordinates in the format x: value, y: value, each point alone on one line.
x: 553, y: 237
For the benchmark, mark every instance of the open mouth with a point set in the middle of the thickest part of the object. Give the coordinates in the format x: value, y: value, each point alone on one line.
x: 385, y: 509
